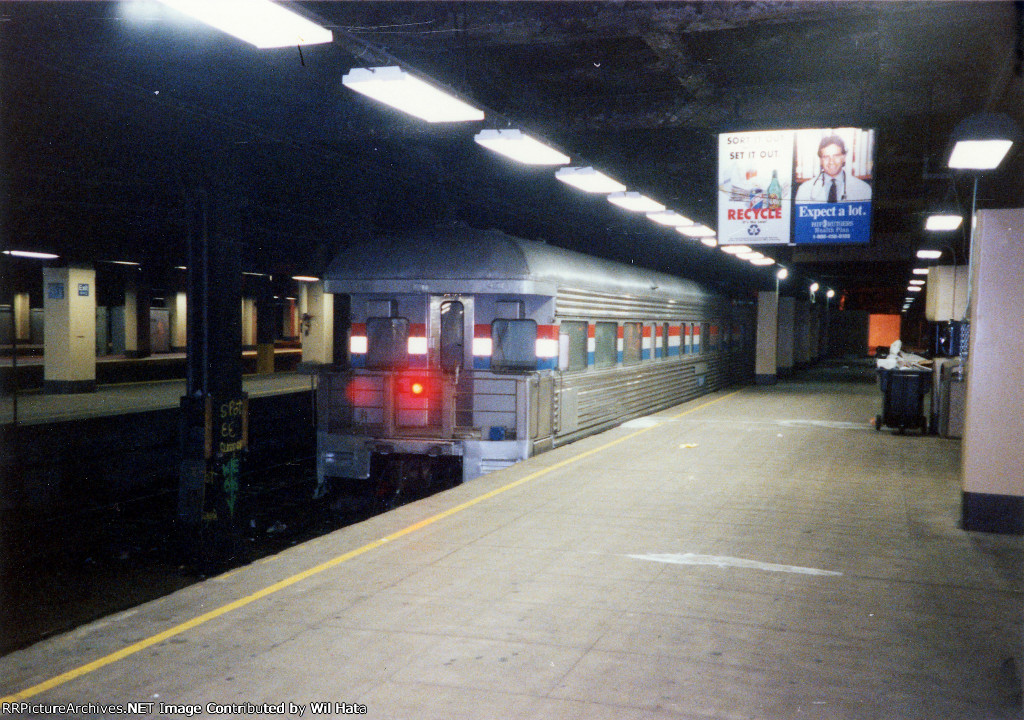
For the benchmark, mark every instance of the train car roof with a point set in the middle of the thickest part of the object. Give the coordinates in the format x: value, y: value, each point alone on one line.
x: 466, y: 260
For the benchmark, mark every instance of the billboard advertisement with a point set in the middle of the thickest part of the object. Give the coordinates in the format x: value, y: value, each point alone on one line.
x: 795, y: 186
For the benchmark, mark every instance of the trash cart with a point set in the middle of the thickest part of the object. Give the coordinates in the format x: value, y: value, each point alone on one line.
x: 903, y: 392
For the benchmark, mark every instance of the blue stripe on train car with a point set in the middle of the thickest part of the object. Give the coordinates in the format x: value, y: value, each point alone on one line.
x: 547, y: 363
x: 357, y: 360
x: 481, y: 362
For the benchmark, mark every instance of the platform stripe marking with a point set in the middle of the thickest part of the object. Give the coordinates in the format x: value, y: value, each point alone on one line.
x: 333, y: 562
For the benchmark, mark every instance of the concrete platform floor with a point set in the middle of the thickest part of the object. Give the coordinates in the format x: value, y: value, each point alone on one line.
x: 758, y: 554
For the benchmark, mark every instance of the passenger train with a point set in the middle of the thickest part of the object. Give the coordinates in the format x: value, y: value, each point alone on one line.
x: 471, y: 350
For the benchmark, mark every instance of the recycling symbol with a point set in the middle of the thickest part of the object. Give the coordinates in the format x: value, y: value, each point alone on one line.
x: 754, y: 230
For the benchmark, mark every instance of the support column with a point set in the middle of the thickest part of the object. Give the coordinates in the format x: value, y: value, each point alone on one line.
x: 179, y: 322
x: 214, y: 414
x: 21, y: 322
x: 801, y: 335
x: 765, y: 368
x: 814, y: 333
x: 787, y: 319
x: 265, y: 327
x: 318, y: 325
x: 69, y: 336
x: 993, y: 451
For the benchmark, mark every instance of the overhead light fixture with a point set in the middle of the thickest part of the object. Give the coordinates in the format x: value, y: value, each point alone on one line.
x: 31, y: 254
x: 914, y: 288
x: 305, y: 278
x: 397, y: 88
x: 589, y: 180
x: 710, y: 241
x: 635, y: 202
x: 981, y: 141
x: 258, y: 22
x: 917, y: 282
x: 670, y: 218
x: 123, y: 262
x: 696, y: 231
x: 929, y: 254
x: 830, y: 293
x: 522, y: 148
x: 752, y: 255
x: 814, y: 287
x: 782, y: 274
x: 943, y: 222
x: 920, y: 271
x: 735, y: 249
x: 762, y: 261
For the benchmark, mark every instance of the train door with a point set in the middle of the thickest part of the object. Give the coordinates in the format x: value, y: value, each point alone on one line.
x: 451, y: 333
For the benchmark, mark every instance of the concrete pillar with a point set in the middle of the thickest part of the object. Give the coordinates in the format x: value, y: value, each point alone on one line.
x: 787, y: 319
x: 179, y: 321
x: 814, y: 333
x: 318, y: 340
x: 765, y: 367
x: 21, y: 323
x: 802, y: 335
x: 69, y: 337
x: 993, y: 444
x: 248, y: 323
x: 290, y: 319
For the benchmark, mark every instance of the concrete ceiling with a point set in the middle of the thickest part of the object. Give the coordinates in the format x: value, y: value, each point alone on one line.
x: 114, y: 112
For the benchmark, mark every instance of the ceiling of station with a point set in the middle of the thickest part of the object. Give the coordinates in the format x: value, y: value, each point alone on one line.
x: 113, y: 113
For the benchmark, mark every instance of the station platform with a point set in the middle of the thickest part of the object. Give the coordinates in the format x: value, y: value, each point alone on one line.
x: 759, y: 553
x: 126, y: 398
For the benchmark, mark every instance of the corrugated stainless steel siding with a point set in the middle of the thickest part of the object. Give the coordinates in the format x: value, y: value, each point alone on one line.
x: 571, y: 302
x: 608, y: 397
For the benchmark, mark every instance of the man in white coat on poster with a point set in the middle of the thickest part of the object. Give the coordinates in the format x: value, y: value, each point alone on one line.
x: 834, y: 183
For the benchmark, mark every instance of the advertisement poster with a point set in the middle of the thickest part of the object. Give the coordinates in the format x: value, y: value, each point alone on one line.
x: 795, y: 186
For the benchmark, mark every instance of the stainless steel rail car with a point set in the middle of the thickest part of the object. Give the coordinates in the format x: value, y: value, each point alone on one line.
x: 478, y: 347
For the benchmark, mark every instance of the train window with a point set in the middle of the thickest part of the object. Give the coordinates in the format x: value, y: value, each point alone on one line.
x: 705, y: 338
x: 513, y: 345
x: 453, y: 341
x: 381, y: 308
x: 664, y: 341
x: 606, y: 335
x: 632, y: 342
x: 387, y: 343
x: 573, y: 344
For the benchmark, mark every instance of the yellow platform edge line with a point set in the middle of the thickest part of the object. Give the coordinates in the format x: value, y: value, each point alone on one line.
x: 317, y: 569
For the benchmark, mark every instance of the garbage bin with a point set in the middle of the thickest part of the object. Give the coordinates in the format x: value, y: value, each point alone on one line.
x: 903, y: 394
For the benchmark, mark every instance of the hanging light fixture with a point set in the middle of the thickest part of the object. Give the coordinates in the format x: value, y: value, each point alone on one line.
x: 397, y: 88
x: 980, y: 142
x: 670, y: 218
x: 696, y: 231
x: 635, y: 202
x: 709, y: 241
x: 588, y: 180
x: 735, y: 249
x: 522, y: 148
x: 258, y: 22
x: 762, y: 261
x: 942, y: 222
x: 31, y: 254
x: 929, y: 254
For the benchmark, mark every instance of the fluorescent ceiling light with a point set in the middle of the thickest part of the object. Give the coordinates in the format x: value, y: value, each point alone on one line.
x: 914, y: 288
x: 397, y: 88
x: 831, y: 293
x: 814, y: 287
x: 669, y: 217
x: 696, y: 231
x: 735, y: 249
x: 305, y: 278
x: 929, y: 254
x: 782, y: 274
x: 709, y: 241
x: 31, y: 254
x: 259, y: 22
x: 635, y: 201
x: 752, y: 255
x: 762, y: 261
x: 920, y: 271
x: 943, y: 221
x: 123, y: 262
x: 589, y: 180
x: 521, y: 148
x: 978, y: 154
x: 917, y: 282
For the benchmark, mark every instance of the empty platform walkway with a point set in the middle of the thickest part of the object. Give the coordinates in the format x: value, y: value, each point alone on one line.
x: 763, y: 553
